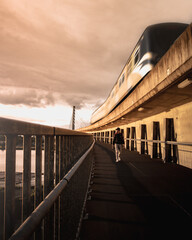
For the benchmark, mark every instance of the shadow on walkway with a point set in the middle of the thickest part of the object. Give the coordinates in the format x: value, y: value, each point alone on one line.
x: 136, y: 198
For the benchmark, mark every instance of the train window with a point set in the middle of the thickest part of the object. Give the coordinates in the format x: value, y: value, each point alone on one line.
x: 136, y: 57
x: 129, y: 68
x: 121, y: 80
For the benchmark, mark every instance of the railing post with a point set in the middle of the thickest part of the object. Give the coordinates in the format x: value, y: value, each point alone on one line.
x: 168, y: 157
x: 58, y: 157
x: 156, y: 136
x: 67, y: 152
x: 38, y: 181
x: 26, y: 199
x: 127, y: 138
x: 9, y: 202
x: 46, y: 182
x: 51, y: 184
x: 46, y: 166
x: 133, y: 137
x: 63, y: 155
x: 72, y: 150
x: 38, y: 171
x: 64, y: 167
x: 51, y: 214
x: 144, y: 144
x: 57, y: 179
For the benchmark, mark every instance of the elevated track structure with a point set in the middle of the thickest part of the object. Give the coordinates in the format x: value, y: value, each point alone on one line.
x: 159, y: 109
x: 53, y: 200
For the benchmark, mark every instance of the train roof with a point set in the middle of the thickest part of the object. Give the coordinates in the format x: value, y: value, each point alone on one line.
x: 173, y: 25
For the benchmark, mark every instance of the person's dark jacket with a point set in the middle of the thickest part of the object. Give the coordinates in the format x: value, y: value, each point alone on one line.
x: 118, y: 139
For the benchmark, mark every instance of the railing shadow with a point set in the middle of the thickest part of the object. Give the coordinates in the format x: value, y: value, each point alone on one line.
x: 163, y: 218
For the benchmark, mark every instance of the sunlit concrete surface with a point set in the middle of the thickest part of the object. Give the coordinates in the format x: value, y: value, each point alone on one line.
x: 166, y: 92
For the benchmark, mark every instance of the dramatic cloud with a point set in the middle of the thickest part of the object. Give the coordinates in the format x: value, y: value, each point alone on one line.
x: 26, y: 96
x: 71, y: 52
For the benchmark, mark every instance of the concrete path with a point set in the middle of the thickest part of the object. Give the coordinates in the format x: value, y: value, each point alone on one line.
x: 137, y: 198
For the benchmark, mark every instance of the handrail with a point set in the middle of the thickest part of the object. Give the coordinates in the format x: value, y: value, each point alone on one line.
x: 31, y: 223
x: 10, y: 126
x: 156, y: 141
x: 159, y: 141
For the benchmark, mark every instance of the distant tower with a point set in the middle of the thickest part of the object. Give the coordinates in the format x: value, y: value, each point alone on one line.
x: 73, y: 119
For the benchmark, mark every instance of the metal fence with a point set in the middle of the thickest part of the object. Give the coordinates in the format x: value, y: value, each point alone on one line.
x: 60, y: 152
x: 169, y: 151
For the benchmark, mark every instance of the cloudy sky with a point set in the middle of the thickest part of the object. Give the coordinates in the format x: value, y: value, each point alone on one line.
x: 58, y: 53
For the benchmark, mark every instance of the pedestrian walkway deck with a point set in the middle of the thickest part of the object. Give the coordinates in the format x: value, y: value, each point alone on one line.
x: 137, y: 198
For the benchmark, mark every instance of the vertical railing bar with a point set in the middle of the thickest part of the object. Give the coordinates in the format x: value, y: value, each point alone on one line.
x: 62, y: 168
x: 74, y: 146
x: 71, y: 150
x: 38, y: 171
x: 46, y: 166
x: 26, y: 198
x: 70, y: 144
x: 38, y: 180
x: 66, y: 162
x: 62, y: 173
x: 57, y: 179
x: 51, y: 184
x: 68, y: 153
x: 58, y: 156
x: 51, y: 214
x: 9, y: 202
x: 46, y: 181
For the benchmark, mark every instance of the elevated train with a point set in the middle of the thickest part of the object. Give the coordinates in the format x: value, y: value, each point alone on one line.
x: 152, y: 45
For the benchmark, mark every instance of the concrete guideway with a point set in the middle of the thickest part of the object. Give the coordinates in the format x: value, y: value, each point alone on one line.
x: 137, y: 198
x: 158, y: 91
x: 159, y: 108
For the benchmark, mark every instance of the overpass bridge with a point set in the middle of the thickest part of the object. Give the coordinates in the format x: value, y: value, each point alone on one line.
x: 159, y: 110
x: 79, y: 192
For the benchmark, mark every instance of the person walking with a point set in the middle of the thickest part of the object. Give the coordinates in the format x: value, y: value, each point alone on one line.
x: 118, y: 141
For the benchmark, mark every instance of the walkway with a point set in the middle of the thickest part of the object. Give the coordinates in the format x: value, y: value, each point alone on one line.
x: 137, y: 198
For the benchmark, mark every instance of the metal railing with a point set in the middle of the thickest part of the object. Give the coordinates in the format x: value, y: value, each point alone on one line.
x: 61, y: 149
x: 172, y: 149
x: 32, y: 222
x: 159, y: 141
x: 153, y: 141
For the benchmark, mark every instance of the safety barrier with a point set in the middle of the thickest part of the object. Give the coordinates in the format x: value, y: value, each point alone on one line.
x: 61, y: 149
x: 173, y: 150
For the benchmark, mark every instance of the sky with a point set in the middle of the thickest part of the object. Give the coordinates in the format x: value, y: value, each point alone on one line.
x: 55, y: 54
